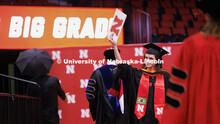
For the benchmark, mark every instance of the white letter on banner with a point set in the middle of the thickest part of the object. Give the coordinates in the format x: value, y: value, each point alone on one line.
x: 27, y: 23
x: 59, y: 27
x: 167, y: 49
x: 15, y: 29
x: 83, y: 53
x: 73, y: 27
x: 37, y: 27
x: 138, y: 51
x: 83, y: 83
x: 85, y: 113
x: 101, y: 28
x: 160, y: 111
x: 60, y: 114
x: 56, y: 55
x: 87, y: 29
x: 70, y: 69
x: 140, y: 108
x: 71, y: 98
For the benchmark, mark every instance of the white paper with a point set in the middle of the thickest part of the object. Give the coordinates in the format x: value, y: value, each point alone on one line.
x: 116, y: 25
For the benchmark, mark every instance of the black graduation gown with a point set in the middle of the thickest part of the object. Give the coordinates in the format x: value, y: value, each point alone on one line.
x: 132, y: 77
x: 103, y: 108
x: 50, y: 88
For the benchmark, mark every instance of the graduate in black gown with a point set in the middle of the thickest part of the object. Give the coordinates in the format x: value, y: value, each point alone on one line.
x: 145, y: 93
x: 104, y: 107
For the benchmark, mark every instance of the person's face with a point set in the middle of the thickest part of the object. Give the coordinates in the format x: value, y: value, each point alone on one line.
x: 149, y: 60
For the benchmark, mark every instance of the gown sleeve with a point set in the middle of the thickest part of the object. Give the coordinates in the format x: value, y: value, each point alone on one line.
x: 175, y: 111
x: 92, y: 93
x: 124, y: 73
x: 60, y: 91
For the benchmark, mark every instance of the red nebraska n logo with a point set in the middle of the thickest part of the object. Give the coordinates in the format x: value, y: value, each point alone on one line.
x: 118, y: 24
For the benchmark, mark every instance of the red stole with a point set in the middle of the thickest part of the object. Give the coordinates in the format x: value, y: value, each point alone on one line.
x: 142, y: 96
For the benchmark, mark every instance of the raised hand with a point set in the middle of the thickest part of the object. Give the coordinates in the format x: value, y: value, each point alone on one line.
x: 114, y: 43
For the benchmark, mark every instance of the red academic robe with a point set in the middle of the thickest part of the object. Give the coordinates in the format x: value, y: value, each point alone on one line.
x: 193, y: 95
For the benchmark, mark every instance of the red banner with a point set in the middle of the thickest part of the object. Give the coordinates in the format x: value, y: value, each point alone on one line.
x: 74, y: 66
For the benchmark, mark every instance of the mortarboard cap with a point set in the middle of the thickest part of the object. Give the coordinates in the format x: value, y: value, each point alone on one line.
x: 109, y: 53
x: 155, y: 50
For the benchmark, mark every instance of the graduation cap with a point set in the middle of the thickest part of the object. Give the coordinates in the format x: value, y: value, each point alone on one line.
x: 208, y: 6
x: 109, y: 54
x: 155, y: 50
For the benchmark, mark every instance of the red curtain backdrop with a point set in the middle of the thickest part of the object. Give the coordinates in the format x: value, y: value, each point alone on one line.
x: 74, y: 76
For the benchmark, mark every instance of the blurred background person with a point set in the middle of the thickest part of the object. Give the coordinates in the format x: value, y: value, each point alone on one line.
x: 36, y: 64
x: 50, y: 88
x: 193, y: 95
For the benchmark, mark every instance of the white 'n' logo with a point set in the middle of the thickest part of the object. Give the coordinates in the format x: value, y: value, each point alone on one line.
x: 56, y: 55
x: 138, y: 51
x: 83, y: 83
x: 70, y: 69
x: 83, y: 53
x: 160, y: 111
x: 71, y: 98
x: 85, y: 113
x: 140, y: 108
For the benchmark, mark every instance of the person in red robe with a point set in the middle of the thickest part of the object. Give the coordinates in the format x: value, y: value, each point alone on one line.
x: 193, y: 95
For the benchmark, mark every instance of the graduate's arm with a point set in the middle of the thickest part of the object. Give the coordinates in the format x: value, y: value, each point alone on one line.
x: 117, y: 54
x: 92, y: 93
x: 124, y: 71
